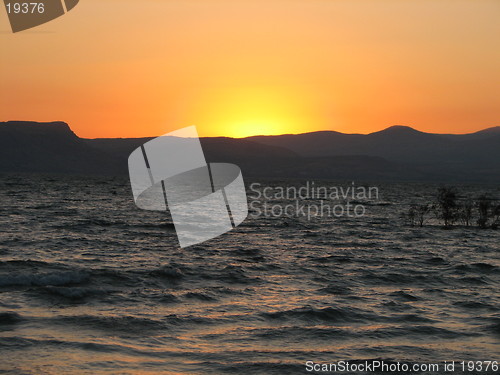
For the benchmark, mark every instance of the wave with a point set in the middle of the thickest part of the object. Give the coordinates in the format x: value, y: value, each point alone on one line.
x: 480, y: 268
x: 16, y: 342
x: 256, y: 367
x: 404, y: 296
x: 436, y: 260
x: 397, y: 278
x: 76, y: 293
x: 475, y: 305
x: 494, y: 327
x: 292, y: 332
x: 336, y: 290
x: 234, y: 274
x: 10, y: 317
x: 311, y: 314
x: 44, y: 279
x: 169, y: 272
x: 25, y: 263
x: 128, y: 324
x: 474, y: 280
x: 428, y: 331
x: 200, y: 296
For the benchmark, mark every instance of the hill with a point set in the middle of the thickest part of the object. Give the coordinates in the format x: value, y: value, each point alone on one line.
x: 397, y: 153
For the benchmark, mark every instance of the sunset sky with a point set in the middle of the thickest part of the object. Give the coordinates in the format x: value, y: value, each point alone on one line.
x: 122, y: 68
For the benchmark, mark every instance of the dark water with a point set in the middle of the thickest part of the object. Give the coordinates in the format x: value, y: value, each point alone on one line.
x: 91, y: 285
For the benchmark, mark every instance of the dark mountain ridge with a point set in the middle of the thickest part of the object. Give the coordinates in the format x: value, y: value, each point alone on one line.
x: 398, y: 153
x: 399, y: 143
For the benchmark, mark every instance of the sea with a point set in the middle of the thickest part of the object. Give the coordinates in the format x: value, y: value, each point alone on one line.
x: 91, y: 284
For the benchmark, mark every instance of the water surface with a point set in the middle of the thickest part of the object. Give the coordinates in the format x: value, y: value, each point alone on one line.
x: 89, y: 284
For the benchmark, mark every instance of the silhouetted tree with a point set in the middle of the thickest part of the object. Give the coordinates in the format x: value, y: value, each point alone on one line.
x: 449, y: 208
x: 483, y: 207
x: 466, y: 212
x: 409, y: 217
x: 422, y: 211
x: 417, y: 214
x: 447, y: 205
x: 495, y: 213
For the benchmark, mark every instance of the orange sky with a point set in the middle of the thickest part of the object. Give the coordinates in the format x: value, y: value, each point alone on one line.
x: 122, y: 68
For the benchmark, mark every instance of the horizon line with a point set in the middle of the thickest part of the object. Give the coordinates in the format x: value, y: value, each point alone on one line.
x: 497, y: 127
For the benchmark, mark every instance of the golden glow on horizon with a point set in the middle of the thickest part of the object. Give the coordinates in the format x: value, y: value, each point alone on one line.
x: 252, y: 127
x: 244, y: 67
x: 250, y: 111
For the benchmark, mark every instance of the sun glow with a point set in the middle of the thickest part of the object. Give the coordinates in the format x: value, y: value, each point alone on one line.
x: 255, y: 127
x: 244, y: 67
x: 253, y: 111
